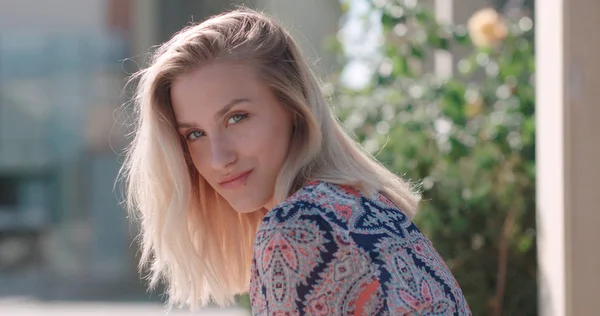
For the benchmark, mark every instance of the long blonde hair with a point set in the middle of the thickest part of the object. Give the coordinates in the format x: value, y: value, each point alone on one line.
x: 190, y: 237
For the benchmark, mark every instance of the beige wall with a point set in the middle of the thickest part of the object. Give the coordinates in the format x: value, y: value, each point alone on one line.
x: 52, y: 15
x: 144, y: 26
x: 311, y: 23
x: 582, y: 156
x: 568, y: 156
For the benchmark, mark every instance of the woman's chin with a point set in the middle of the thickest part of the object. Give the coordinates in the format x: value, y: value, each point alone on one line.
x: 246, y: 208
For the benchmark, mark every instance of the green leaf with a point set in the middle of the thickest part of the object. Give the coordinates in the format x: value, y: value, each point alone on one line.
x: 401, y: 67
x: 444, y: 43
x: 388, y: 21
x: 417, y: 52
x: 461, y: 36
x: 424, y: 16
x: 525, y: 243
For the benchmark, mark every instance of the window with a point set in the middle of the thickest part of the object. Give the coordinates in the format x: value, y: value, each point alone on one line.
x: 9, y: 192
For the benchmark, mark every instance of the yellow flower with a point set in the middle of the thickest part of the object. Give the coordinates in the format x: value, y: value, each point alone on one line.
x: 474, y: 103
x: 486, y: 28
x: 474, y: 107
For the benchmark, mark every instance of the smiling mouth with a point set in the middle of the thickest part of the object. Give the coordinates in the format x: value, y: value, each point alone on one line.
x: 237, y: 180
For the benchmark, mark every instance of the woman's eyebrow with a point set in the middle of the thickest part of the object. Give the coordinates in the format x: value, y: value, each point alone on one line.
x: 185, y: 125
x: 218, y: 115
x: 228, y: 107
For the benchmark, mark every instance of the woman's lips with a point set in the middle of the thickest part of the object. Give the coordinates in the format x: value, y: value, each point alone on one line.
x: 236, y: 181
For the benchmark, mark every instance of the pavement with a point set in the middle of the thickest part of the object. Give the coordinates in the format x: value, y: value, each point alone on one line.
x: 27, y: 307
x: 38, y: 292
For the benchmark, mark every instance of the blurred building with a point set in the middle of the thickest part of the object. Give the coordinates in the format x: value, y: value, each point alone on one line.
x: 60, y: 83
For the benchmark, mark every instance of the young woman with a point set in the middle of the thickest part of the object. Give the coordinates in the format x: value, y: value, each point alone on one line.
x: 243, y: 180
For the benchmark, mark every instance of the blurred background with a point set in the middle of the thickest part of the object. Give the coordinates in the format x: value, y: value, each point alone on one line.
x: 441, y: 91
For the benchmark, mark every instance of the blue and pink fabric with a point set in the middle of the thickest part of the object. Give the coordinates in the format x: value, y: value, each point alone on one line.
x: 329, y: 250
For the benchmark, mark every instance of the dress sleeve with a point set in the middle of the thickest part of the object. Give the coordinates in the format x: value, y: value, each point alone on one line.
x: 301, y: 266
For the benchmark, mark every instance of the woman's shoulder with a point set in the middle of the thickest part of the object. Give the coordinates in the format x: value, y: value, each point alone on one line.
x: 324, y: 226
x: 340, y: 205
x: 322, y: 210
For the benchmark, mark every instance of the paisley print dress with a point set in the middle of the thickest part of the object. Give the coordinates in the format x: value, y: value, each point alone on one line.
x: 329, y: 250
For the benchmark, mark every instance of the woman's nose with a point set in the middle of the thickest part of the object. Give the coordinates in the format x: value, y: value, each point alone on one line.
x: 222, y: 154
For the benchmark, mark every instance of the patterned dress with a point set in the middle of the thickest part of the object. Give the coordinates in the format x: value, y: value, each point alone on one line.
x: 329, y: 250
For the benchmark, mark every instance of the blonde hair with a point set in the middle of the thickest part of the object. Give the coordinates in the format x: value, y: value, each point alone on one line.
x: 190, y: 237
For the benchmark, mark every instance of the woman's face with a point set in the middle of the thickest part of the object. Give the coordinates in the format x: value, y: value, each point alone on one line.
x: 236, y: 131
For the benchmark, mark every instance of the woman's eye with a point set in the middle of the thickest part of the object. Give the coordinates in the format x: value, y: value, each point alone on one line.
x: 194, y: 135
x: 236, y: 118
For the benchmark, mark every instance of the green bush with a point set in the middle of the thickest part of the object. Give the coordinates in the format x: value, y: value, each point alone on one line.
x: 467, y: 140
